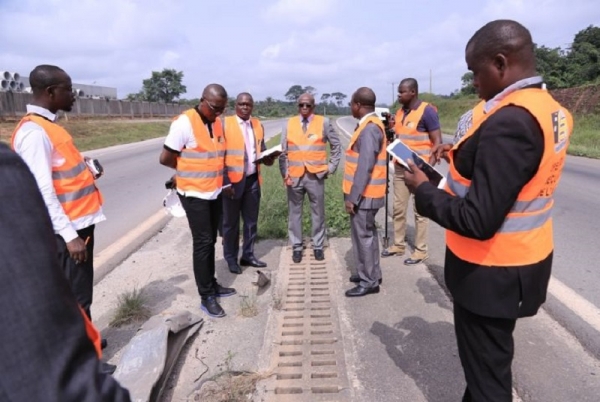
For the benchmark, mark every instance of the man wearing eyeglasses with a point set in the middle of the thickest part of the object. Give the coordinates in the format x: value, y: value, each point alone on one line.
x: 65, y: 182
x: 244, y: 137
x: 304, y: 168
x: 195, y: 147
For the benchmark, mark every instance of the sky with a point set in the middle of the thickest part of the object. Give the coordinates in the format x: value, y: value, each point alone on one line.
x: 266, y: 46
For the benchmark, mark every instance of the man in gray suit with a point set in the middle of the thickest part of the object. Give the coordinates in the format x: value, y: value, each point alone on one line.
x: 304, y: 168
x: 364, y: 190
x: 244, y: 136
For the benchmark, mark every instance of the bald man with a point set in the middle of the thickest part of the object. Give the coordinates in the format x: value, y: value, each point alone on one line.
x: 364, y: 189
x: 304, y: 168
x: 195, y: 147
x: 497, y: 205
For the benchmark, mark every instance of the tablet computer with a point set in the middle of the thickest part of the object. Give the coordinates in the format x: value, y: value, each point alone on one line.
x: 401, y: 153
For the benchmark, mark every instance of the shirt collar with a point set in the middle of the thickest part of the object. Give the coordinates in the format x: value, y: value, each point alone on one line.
x: 41, y: 111
x: 489, y: 105
x: 241, y: 121
x: 365, y: 117
x: 310, y: 118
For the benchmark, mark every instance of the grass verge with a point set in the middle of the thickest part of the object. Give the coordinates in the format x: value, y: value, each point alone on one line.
x: 131, y: 308
x: 273, y: 218
x: 94, y: 134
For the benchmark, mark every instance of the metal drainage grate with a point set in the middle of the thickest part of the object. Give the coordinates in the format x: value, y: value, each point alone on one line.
x: 308, y: 361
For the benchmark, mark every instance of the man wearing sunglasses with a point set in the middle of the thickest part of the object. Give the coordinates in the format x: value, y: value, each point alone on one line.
x: 304, y: 168
x: 62, y: 175
x: 195, y: 147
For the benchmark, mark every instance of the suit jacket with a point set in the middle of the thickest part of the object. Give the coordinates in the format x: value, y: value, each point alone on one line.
x: 239, y: 187
x: 45, y: 354
x: 335, y: 154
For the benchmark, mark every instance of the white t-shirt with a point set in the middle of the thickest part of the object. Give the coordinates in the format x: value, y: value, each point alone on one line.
x: 181, y: 135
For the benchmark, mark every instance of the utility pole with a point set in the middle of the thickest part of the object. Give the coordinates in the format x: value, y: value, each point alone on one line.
x: 430, y: 82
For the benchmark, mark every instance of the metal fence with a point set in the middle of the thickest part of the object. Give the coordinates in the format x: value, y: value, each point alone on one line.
x: 13, y: 105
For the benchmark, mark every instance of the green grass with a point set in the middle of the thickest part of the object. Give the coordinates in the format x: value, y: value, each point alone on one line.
x: 94, y: 134
x: 273, y: 217
x: 132, y: 308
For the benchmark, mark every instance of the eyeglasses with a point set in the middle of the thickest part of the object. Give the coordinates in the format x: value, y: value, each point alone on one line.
x: 215, y: 109
x: 307, y: 105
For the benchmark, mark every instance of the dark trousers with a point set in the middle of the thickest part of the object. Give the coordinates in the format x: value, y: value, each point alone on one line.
x: 80, y: 276
x: 486, y: 349
x: 203, y: 217
x: 247, y: 205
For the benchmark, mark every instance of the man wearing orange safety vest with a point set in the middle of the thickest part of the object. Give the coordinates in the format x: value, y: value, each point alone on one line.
x: 417, y: 124
x: 67, y: 184
x: 364, y: 186
x: 497, y: 206
x: 244, y: 139
x: 304, y: 168
x: 195, y: 148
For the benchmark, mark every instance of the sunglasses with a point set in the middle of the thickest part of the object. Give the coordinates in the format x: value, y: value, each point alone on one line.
x: 215, y: 109
x: 307, y: 105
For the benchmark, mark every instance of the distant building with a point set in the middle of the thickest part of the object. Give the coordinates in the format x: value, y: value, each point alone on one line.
x: 10, y: 81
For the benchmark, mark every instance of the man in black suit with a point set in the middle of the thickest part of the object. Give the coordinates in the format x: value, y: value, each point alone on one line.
x: 45, y: 353
x: 497, y: 205
x: 244, y: 138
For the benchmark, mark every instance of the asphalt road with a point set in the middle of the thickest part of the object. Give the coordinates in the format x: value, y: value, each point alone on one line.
x: 133, y: 189
x: 574, y: 299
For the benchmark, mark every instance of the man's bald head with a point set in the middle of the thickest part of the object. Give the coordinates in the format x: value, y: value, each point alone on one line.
x: 244, y: 95
x: 214, y: 91
x: 411, y: 84
x: 44, y: 76
x: 365, y: 96
x: 505, y: 37
x: 307, y: 98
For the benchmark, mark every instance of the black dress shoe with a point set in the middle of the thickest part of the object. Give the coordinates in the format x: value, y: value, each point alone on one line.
x: 235, y: 269
x: 354, y: 279
x: 360, y: 291
x: 103, y: 343
x: 252, y: 262
x: 297, y: 256
x: 319, y: 255
x: 211, y: 306
x: 107, y: 368
x: 222, y: 291
x: 414, y: 261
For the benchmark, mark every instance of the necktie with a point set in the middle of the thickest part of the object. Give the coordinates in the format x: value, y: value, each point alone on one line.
x: 247, y: 140
x: 304, y: 124
x: 356, y: 128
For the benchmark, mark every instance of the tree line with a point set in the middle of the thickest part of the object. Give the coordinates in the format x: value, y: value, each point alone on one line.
x: 573, y: 66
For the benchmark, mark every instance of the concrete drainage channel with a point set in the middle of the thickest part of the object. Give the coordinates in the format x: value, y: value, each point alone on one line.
x: 308, y: 358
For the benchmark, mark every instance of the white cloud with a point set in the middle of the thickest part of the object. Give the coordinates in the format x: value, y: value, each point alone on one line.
x: 299, y: 11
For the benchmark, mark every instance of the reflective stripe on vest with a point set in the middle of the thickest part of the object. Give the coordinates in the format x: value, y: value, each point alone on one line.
x: 73, y: 182
x: 406, y: 130
x: 306, y: 151
x: 235, y: 155
x: 377, y: 182
x: 525, y: 236
x: 200, y: 169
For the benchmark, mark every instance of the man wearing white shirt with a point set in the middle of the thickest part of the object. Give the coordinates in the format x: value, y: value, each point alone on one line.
x: 195, y: 147
x: 244, y: 137
x: 41, y: 144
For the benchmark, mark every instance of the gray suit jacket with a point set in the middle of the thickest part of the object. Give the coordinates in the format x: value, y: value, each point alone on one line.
x: 239, y: 187
x: 335, y: 153
x: 368, y: 144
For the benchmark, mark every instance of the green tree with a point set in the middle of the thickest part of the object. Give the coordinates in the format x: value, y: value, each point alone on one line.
x: 164, y: 86
x: 467, y: 87
x: 551, y: 64
x: 294, y: 93
x: 339, y: 98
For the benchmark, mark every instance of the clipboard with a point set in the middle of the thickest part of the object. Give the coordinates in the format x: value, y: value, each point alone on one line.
x: 273, y: 151
x: 401, y: 153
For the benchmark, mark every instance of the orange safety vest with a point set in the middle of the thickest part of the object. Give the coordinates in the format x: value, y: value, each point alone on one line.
x: 306, y: 151
x: 236, y: 149
x: 201, y: 169
x: 92, y: 333
x: 407, y: 130
x: 376, y: 186
x: 478, y: 112
x: 526, y: 235
x: 73, y: 182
